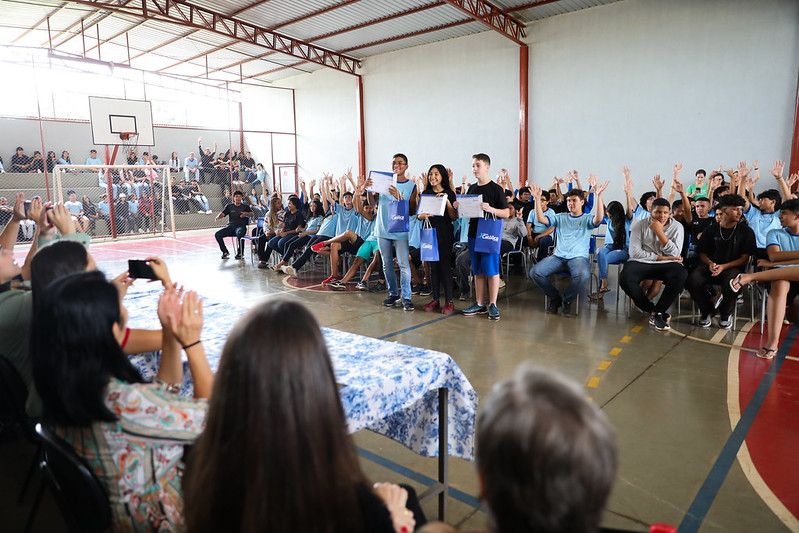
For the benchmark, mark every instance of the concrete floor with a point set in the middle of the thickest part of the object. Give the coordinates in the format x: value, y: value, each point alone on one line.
x: 666, y: 394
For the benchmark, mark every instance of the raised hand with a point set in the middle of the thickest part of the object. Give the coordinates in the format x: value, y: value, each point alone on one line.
x: 743, y: 171
x: 62, y: 219
x: 792, y: 179
x: 599, y: 189
x: 658, y: 182
x: 535, y: 190
x: 626, y: 171
x: 592, y: 181
x: 677, y: 185
x: 677, y: 168
x: 779, y: 166
x: 19, y: 207
x: 122, y: 282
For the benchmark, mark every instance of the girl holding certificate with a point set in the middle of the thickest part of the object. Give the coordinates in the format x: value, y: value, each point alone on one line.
x: 437, y: 182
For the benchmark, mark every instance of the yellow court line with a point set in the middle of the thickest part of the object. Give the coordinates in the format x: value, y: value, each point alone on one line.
x: 604, y: 365
x: 615, y: 351
x: 636, y: 329
x: 593, y: 383
x: 626, y: 339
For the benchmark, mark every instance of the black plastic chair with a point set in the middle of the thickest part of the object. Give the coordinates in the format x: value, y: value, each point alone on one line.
x: 13, y: 395
x: 79, y: 494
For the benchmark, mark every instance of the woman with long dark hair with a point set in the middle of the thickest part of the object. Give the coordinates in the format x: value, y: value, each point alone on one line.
x: 314, y: 221
x: 275, y: 454
x: 293, y: 224
x: 131, y: 433
x: 437, y: 183
x: 616, y: 245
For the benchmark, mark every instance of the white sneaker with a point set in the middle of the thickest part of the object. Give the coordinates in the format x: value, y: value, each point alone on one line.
x: 290, y: 270
x: 208, y: 212
x: 200, y: 212
x: 501, y: 283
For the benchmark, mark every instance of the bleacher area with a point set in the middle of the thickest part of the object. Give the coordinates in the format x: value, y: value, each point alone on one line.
x: 86, y: 184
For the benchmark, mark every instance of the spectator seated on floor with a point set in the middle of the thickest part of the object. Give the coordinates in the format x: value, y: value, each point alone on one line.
x: 783, y: 285
x: 530, y: 481
x: 130, y: 432
x: 76, y: 210
x: 539, y: 236
x: 238, y: 214
x: 283, y: 395
x: 572, y: 244
x: 20, y: 162
x: 724, y: 250
x: 655, y: 247
x: 615, y: 250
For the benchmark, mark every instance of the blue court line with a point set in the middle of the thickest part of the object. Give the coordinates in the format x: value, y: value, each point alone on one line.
x: 423, y: 324
x: 710, y: 488
x: 456, y: 494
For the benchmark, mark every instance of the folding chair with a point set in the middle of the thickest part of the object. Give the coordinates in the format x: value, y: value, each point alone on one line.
x: 253, y: 239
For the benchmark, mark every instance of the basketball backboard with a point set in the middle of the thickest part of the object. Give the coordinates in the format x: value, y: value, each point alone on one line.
x: 112, y: 116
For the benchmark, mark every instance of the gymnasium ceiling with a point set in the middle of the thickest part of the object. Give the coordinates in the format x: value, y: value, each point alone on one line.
x: 257, y: 42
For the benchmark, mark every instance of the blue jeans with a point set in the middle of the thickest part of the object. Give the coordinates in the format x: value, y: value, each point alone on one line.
x: 387, y: 249
x: 606, y: 256
x: 579, y: 268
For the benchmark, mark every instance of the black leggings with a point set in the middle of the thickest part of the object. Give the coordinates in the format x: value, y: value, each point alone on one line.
x: 441, y: 271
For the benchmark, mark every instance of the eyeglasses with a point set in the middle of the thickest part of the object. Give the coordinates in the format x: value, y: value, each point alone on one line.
x: 398, y: 163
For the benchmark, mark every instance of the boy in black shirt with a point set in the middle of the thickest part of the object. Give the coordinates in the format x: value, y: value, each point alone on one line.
x: 485, y: 266
x: 723, y: 250
x: 238, y: 214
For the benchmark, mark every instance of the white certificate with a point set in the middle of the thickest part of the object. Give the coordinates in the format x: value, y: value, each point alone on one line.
x: 381, y: 181
x: 469, y: 206
x: 432, y: 204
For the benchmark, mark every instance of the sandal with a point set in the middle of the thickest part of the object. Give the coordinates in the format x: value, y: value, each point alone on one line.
x: 766, y: 353
x: 736, y: 285
x: 598, y: 295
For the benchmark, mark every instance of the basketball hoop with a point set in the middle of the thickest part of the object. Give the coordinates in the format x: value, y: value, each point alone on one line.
x: 128, y: 135
x: 130, y: 141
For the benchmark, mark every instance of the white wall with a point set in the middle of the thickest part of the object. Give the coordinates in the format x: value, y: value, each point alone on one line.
x: 641, y: 82
x: 648, y: 83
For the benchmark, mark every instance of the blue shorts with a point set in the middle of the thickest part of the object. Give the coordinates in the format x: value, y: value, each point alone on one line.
x: 483, y: 263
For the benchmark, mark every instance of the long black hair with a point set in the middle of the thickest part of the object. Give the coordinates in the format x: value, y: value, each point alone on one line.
x: 444, y: 179
x: 618, y: 220
x: 75, y: 352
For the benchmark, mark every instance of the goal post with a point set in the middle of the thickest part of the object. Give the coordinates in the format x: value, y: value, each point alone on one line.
x: 117, y: 200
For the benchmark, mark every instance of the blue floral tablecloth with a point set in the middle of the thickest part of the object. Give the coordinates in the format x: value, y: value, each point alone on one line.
x: 389, y: 388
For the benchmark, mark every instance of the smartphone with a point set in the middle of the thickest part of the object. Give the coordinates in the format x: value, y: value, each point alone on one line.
x: 138, y: 268
x: 27, y: 205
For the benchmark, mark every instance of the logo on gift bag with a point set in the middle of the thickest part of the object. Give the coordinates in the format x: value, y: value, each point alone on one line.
x: 427, y: 246
x: 489, y: 237
x: 398, y: 217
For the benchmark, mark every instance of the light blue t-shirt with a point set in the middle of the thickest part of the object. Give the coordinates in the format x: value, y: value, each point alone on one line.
x: 364, y: 227
x: 73, y: 207
x: 610, y: 233
x: 406, y: 189
x: 640, y: 213
x: 328, y: 226
x: 572, y: 234
x: 537, y: 227
x: 787, y: 241
x: 348, y: 219
x: 191, y: 163
x: 761, y: 223
x: 414, y: 232
x: 93, y: 161
x: 133, y: 206
x: 313, y: 223
x: 102, y: 207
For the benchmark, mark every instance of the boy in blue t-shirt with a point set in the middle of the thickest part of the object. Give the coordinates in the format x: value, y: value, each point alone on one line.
x: 572, y: 241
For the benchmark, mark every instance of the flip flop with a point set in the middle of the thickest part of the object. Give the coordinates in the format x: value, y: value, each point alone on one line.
x: 597, y: 295
x: 736, y: 285
x: 766, y: 353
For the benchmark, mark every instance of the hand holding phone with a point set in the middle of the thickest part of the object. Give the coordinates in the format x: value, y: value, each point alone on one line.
x: 140, y: 269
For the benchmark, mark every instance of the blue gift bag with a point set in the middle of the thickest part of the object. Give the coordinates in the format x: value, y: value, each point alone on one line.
x: 429, y: 243
x: 489, y: 236
x: 398, y: 220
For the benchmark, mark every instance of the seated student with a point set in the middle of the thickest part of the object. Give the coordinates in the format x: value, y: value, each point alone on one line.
x: 312, y: 224
x: 64, y: 159
x: 572, y: 242
x: 546, y: 456
x: 6, y: 211
x: 655, y: 246
x: 174, y: 162
x: 327, y: 230
x: 122, y: 214
x: 783, y: 252
x: 761, y: 216
x: 199, y: 198
x: 147, y: 212
x: 238, y: 214
x: 280, y: 400
x: 76, y: 210
x: 131, y: 433
x: 180, y: 200
x: 90, y: 212
x: 347, y: 219
x: 513, y: 230
x: 699, y: 186
x: 539, y: 236
x: 20, y: 162
x: 724, y: 251
x: 616, y: 245
x: 50, y: 162
x: 37, y: 162
x: 104, y: 210
x: 640, y: 210
x: 350, y: 241
x: 293, y: 225
x: 191, y: 168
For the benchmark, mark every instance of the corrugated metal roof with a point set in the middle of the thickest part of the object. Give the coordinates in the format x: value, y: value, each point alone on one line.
x: 357, y: 28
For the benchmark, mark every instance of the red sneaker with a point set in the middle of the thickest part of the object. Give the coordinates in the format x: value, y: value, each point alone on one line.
x: 318, y: 246
x: 432, y: 306
x: 448, y: 308
x: 331, y: 278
